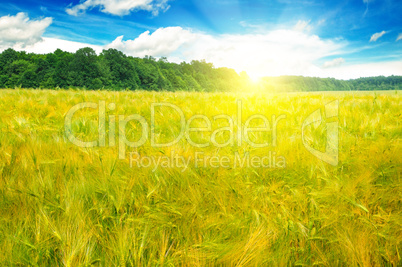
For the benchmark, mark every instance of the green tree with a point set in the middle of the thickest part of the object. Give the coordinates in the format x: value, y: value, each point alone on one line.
x: 84, y: 68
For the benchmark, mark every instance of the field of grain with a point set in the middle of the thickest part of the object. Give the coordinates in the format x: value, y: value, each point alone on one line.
x: 65, y: 205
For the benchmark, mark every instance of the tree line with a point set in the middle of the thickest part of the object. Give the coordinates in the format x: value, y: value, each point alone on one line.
x: 114, y: 70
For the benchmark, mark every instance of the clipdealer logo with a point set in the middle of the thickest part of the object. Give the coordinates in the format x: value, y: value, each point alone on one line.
x: 237, y: 131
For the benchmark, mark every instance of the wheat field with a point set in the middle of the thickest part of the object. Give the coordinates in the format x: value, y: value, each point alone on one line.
x: 65, y: 205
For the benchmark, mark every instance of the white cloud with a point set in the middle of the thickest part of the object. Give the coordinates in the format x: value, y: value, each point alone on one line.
x: 119, y: 7
x: 302, y: 25
x: 162, y: 42
x: 363, y: 70
x: 377, y: 36
x: 277, y: 52
x: 273, y: 53
x: 333, y: 63
x: 49, y: 45
x: 20, y: 31
x: 399, y: 37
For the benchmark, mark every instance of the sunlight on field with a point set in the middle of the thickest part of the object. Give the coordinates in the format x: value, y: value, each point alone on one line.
x: 66, y: 205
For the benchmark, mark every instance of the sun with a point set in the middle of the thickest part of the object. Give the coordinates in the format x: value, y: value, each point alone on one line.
x: 255, y: 79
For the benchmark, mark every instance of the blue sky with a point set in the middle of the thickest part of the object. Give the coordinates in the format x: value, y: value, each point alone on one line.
x: 341, y: 39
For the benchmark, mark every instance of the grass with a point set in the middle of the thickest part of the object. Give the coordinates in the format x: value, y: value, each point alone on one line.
x: 62, y: 205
